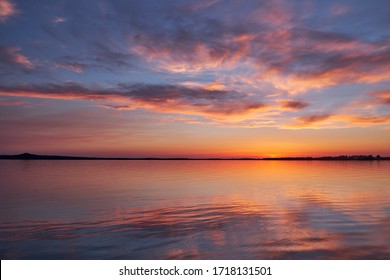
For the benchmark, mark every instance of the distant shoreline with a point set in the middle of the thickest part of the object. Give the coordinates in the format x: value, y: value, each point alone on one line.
x: 28, y: 156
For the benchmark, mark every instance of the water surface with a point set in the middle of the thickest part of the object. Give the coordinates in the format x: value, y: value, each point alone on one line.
x: 194, y: 209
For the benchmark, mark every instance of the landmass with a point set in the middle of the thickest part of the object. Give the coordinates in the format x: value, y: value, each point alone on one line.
x: 28, y: 156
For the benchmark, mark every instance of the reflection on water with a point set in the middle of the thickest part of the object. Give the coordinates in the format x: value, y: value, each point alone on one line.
x: 194, y: 210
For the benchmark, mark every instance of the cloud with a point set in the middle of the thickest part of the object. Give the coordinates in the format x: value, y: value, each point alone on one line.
x: 274, y: 47
x: 7, y: 102
x: 381, y: 97
x: 308, y: 59
x: 183, y: 40
x: 328, y: 120
x: 109, y: 57
x: 216, y: 106
x: 314, y: 118
x: 293, y: 104
x: 160, y: 98
x: 72, y: 66
x: 178, y: 99
x: 99, y: 57
x: 369, y: 119
x: 267, y: 41
x: 199, y: 6
x: 373, y: 100
x: 185, y: 53
x: 58, y: 20
x: 11, y: 56
x: 222, y: 60
x: 7, y: 9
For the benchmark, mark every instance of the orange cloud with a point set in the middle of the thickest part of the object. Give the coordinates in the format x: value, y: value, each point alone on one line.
x: 369, y: 119
x: 313, y: 118
x: 297, y: 60
x: 214, y: 86
x: 382, y: 97
x: 338, y: 121
x: 217, y: 106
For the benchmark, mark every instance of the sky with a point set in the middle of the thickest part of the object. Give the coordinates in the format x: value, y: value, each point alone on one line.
x: 210, y: 78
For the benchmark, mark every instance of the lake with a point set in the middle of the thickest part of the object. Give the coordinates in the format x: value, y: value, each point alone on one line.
x: 194, y: 209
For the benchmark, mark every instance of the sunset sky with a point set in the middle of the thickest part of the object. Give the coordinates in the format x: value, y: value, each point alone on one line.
x: 208, y: 78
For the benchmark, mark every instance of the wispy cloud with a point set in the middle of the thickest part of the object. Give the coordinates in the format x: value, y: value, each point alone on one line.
x: 10, y: 55
x: 338, y: 9
x: 293, y: 104
x: 159, y: 98
x: 369, y: 119
x: 7, y: 9
x: 58, y: 20
x: 337, y: 121
x: 295, y: 58
x: 381, y: 97
x: 315, y: 118
x: 217, y: 106
x: 8, y: 102
x: 72, y: 66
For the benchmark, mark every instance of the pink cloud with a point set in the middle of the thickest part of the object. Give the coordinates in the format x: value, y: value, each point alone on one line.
x: 59, y: 20
x: 325, y: 120
x: 7, y: 9
x: 75, y: 67
x: 201, y: 5
x: 200, y: 57
x: 274, y: 13
x: 381, y: 97
x: 11, y: 55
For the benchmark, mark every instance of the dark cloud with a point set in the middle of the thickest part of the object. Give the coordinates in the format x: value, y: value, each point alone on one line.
x: 381, y: 97
x: 100, y: 57
x: 315, y: 118
x: 106, y: 57
x: 166, y: 98
x: 12, y: 56
x: 293, y: 104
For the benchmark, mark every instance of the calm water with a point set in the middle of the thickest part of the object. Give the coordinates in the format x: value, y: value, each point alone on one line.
x: 194, y: 210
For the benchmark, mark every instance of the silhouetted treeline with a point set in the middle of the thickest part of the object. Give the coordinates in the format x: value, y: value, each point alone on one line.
x: 341, y: 157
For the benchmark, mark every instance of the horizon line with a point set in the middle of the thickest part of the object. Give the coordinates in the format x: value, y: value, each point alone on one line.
x: 29, y: 156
